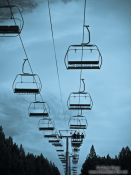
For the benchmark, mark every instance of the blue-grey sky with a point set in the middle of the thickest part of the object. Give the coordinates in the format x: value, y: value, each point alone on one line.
x: 110, y: 88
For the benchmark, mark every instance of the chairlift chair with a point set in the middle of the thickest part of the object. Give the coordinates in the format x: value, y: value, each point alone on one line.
x: 62, y: 158
x: 51, y: 135
x: 74, y: 173
x: 63, y: 161
x: 61, y: 155
x: 75, y: 149
x: 74, y: 168
x: 80, y: 100
x: 27, y: 82
x: 11, y: 22
x: 75, y: 156
x: 60, y: 150
x: 38, y: 109
x: 78, y: 123
x: 46, y: 124
x: 74, y: 161
x: 83, y: 56
x: 76, y: 143
x: 92, y: 58
x: 53, y: 141
x: 57, y: 144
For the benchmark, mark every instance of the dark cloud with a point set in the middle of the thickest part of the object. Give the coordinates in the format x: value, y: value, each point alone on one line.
x: 30, y: 4
x: 24, y: 5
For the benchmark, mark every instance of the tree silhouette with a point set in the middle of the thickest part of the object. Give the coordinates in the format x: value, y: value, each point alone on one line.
x: 92, y: 154
x: 123, y: 160
x: 14, y: 161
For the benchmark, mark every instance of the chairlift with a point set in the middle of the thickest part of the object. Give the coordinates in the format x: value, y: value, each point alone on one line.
x: 75, y: 156
x: 60, y: 150
x: 74, y: 162
x: 83, y: 56
x: 62, y: 158
x: 80, y: 100
x: 27, y: 83
x: 63, y: 162
x: 76, y: 144
x: 74, y: 172
x: 11, y: 21
x: 50, y: 136
x: 74, y: 168
x: 53, y: 141
x: 75, y: 149
x: 78, y: 123
x: 38, y: 109
x: 57, y: 144
x: 76, y: 140
x: 46, y: 124
x: 61, y: 155
x: 78, y: 135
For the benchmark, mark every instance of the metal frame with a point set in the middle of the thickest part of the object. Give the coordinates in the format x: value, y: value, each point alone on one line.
x: 80, y: 123
x: 83, y: 64
x: 21, y: 90
x: 78, y: 106
x: 47, y: 123
x: 33, y: 109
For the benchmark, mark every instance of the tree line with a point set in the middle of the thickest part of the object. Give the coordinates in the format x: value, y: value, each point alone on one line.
x: 123, y: 160
x: 14, y: 161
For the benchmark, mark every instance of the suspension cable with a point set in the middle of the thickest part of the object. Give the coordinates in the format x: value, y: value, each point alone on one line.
x: 55, y: 55
x: 83, y: 36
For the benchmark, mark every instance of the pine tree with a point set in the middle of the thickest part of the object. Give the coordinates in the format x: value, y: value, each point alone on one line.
x: 92, y: 153
x: 14, y: 161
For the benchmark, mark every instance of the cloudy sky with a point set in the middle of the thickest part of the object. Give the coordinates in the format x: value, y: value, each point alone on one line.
x: 109, y: 127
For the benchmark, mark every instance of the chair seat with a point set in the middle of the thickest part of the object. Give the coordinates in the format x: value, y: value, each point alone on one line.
x: 9, y: 29
x: 78, y: 127
x: 53, y: 141
x: 46, y: 128
x: 80, y: 105
x: 42, y: 114
x: 28, y: 91
x: 83, y: 62
x: 50, y: 136
x: 83, y: 67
